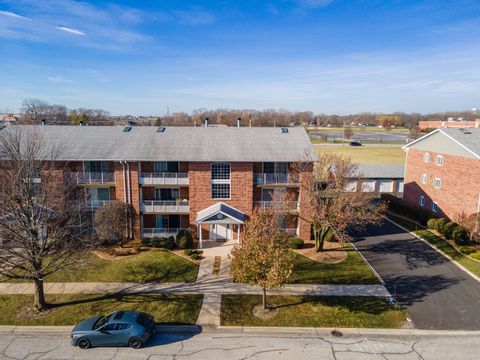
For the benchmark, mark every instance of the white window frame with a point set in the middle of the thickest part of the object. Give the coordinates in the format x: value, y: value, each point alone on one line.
x: 421, y: 200
x: 220, y: 182
x: 439, y: 181
x: 439, y: 160
x: 426, y: 157
x: 435, y: 207
x: 424, y: 178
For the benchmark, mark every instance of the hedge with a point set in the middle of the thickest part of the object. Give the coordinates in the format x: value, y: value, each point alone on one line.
x: 448, y: 229
x: 159, y: 242
x: 439, y: 225
x: 184, y: 240
x: 460, y: 236
x: 295, y: 243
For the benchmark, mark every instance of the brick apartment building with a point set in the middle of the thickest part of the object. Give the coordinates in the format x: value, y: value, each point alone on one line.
x: 443, y: 172
x: 457, y: 124
x: 205, y: 179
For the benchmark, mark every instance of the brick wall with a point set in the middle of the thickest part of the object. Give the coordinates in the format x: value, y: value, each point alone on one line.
x: 241, y: 190
x: 304, y: 227
x: 460, y: 183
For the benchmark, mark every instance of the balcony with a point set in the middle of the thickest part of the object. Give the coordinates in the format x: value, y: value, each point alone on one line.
x: 276, y: 205
x: 160, y: 232
x: 95, y: 204
x: 274, y: 179
x: 164, y: 178
x: 165, y: 207
x: 90, y: 177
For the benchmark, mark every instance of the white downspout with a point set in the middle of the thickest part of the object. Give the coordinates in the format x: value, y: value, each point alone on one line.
x: 124, y: 194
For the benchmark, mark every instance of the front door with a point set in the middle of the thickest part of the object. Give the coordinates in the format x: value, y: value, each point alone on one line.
x: 221, y: 232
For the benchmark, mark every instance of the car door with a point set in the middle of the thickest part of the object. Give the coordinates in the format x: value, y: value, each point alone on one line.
x: 106, y: 335
x: 123, y: 332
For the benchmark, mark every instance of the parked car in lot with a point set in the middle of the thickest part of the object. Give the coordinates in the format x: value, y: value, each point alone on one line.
x: 120, y: 328
x: 355, y: 143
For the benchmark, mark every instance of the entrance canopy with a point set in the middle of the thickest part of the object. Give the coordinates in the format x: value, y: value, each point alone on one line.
x: 220, y: 213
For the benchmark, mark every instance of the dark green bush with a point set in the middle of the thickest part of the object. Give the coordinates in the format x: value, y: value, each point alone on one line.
x: 440, y: 225
x: 160, y: 242
x: 195, y: 256
x: 295, y: 243
x: 466, y: 250
x: 460, y: 236
x: 432, y: 223
x: 448, y: 229
x: 184, y: 240
x: 188, y: 252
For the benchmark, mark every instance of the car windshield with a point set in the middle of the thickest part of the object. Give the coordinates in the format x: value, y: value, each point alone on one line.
x: 144, y: 320
x: 100, y: 322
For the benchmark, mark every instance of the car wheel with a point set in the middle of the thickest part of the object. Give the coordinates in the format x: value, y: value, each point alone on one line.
x: 84, y: 343
x: 135, y: 343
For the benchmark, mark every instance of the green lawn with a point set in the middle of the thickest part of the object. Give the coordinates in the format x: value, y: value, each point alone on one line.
x: 363, y: 129
x: 149, y: 266
x: 366, y: 154
x: 70, y: 309
x: 313, y: 311
x: 440, y: 244
x: 353, y: 270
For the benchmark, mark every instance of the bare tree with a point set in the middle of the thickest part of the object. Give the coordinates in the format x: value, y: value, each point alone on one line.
x: 263, y: 259
x: 112, y: 222
x: 331, y: 203
x: 34, y: 109
x: 41, y: 223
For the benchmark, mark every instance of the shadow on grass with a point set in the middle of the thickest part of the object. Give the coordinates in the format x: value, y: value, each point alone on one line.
x: 159, y: 272
x: 368, y: 304
x: 122, y: 298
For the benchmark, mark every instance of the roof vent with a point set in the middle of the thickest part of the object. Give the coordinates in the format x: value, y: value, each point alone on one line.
x: 127, y: 129
x: 465, y: 131
x: 161, y: 129
x: 284, y: 130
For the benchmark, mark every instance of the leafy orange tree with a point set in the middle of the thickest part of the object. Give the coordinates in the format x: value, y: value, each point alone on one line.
x: 264, y: 258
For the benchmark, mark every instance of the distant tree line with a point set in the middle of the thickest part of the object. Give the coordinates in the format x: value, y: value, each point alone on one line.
x: 34, y: 110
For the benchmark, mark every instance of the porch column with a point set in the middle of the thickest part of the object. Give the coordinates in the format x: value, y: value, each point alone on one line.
x: 200, y: 231
x: 238, y: 234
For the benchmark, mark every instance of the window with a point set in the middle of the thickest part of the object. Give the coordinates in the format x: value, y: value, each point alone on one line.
x: 98, y: 194
x: 167, y: 193
x: 121, y: 326
x: 437, y: 183
x: 439, y: 160
x: 96, y: 166
x: 421, y: 200
x: 275, y: 168
x: 424, y: 178
x: 167, y: 221
x: 426, y: 157
x: 165, y: 166
x: 109, y: 327
x: 221, y: 181
x: 271, y: 194
x: 435, y: 207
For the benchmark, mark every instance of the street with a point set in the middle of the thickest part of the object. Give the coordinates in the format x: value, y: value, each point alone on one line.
x: 234, y: 346
x: 437, y: 294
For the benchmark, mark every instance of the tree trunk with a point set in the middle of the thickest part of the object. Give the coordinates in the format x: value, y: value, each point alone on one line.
x: 264, y: 299
x: 39, y: 303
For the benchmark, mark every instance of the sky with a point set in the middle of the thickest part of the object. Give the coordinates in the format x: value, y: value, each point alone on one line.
x: 327, y: 56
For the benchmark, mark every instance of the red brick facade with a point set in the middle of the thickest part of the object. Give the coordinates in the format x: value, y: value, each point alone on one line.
x: 243, y: 193
x: 460, y: 186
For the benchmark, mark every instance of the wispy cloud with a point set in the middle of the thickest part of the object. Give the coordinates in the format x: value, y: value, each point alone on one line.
x: 71, y: 30
x: 194, y: 16
x: 313, y: 3
x: 12, y: 15
x: 57, y: 79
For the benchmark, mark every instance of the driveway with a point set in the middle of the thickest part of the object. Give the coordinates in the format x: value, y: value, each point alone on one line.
x: 436, y: 293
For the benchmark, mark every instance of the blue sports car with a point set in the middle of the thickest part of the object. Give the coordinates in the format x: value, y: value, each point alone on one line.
x: 120, y: 328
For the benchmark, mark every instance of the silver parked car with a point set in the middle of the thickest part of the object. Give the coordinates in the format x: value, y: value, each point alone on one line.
x: 120, y: 328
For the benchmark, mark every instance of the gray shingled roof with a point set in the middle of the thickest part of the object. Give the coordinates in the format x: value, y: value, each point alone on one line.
x: 244, y: 144
x: 470, y: 138
x: 226, y: 213
x: 382, y: 171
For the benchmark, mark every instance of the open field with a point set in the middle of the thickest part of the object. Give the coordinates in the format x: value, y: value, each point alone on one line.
x: 367, y: 154
x: 360, y: 129
x: 159, y: 266
x: 353, y: 270
x: 70, y: 309
x: 313, y: 311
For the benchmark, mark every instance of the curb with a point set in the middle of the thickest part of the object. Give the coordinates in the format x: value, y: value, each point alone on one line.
x: 475, y: 277
x: 255, y: 331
